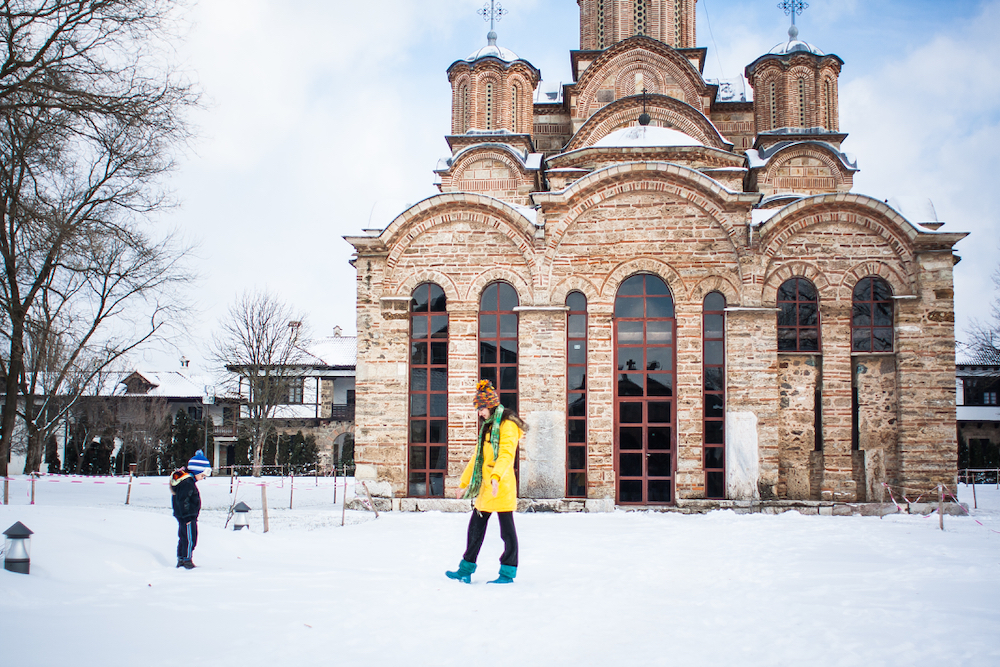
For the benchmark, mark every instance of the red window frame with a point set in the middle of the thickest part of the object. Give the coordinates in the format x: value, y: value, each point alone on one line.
x: 798, y: 316
x: 576, y: 395
x: 645, y: 403
x: 427, y: 435
x: 498, y: 343
x: 872, y: 316
x: 714, y: 394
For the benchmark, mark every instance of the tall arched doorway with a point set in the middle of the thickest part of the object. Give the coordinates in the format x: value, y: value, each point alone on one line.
x: 645, y: 410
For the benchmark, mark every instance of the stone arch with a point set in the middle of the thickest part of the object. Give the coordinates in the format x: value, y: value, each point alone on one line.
x: 657, y: 267
x: 657, y: 56
x: 469, y: 157
x: 520, y: 283
x: 625, y: 80
x: 664, y: 111
x: 406, y: 286
x: 454, y: 207
x: 842, y: 177
x: 719, y: 284
x: 873, y: 269
x: 670, y: 179
x: 796, y: 269
x: 848, y: 208
x: 560, y: 291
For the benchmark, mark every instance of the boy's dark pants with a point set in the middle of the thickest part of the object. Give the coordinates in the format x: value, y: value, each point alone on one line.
x: 187, y: 538
x: 477, y: 532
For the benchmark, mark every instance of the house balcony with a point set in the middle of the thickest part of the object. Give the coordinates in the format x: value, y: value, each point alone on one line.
x: 342, y: 413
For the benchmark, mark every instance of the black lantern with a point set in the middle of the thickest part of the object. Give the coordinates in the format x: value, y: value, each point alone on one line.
x: 17, y: 548
x: 242, y: 520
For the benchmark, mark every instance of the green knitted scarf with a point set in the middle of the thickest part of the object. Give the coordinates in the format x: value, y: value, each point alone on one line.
x: 477, y: 471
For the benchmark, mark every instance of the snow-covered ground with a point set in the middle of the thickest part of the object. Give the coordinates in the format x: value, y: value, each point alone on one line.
x: 630, y: 588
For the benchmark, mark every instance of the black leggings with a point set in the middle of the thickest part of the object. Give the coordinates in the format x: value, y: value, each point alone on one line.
x: 477, y: 532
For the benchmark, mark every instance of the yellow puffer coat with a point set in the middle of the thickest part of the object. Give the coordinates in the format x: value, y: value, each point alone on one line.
x: 502, y: 468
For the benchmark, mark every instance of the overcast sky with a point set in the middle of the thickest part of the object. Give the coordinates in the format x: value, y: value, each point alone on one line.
x: 317, y: 110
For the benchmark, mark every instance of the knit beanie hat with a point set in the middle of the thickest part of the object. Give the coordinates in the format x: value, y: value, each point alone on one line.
x: 486, y: 395
x: 199, y: 464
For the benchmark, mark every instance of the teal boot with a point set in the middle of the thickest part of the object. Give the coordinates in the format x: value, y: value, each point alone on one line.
x: 464, y: 572
x: 507, y: 574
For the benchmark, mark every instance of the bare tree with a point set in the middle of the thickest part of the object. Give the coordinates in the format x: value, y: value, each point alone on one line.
x: 258, y: 342
x: 143, y: 425
x: 79, y: 331
x: 984, y: 335
x: 90, y: 117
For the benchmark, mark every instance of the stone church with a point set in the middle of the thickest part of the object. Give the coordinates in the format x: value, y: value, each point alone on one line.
x: 674, y: 286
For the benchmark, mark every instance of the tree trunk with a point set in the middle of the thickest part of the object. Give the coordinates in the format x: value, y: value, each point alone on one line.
x: 15, y: 364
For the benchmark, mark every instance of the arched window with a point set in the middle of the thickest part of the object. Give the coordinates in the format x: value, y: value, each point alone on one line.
x: 802, y: 103
x: 428, y: 436
x: 498, y: 340
x: 871, y: 321
x: 515, y: 92
x: 645, y: 414
x: 798, y: 316
x: 576, y: 396
x: 828, y: 99
x: 489, y: 106
x: 463, y: 107
x: 640, y: 17
x: 772, y: 93
x: 600, y: 24
x: 713, y: 317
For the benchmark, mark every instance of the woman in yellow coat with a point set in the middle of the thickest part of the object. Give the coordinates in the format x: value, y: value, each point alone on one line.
x: 489, y: 479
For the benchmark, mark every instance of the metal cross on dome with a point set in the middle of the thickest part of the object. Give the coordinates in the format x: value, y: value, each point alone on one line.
x: 793, y: 7
x: 492, y: 11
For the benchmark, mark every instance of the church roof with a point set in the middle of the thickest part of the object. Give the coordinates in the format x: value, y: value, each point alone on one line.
x: 647, y: 136
x: 491, y: 50
x: 794, y: 45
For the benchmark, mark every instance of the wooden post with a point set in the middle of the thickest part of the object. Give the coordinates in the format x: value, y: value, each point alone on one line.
x: 370, y: 499
x: 334, y: 484
x: 5, y: 495
x: 941, y: 506
x: 33, y: 488
x: 232, y: 473
x: 263, y: 504
x: 131, y: 471
x: 975, y: 505
x: 291, y: 488
x: 343, y: 507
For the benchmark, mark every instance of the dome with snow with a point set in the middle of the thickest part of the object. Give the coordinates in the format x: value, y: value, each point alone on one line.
x: 648, y: 136
x: 491, y: 50
x: 794, y: 45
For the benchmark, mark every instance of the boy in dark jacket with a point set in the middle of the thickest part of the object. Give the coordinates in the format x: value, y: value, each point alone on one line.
x: 187, y: 505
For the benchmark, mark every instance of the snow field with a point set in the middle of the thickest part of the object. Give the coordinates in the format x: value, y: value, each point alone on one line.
x: 592, y: 589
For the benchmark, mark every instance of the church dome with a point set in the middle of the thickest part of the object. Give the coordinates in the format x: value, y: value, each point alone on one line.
x: 491, y: 50
x: 794, y: 45
x: 647, y: 137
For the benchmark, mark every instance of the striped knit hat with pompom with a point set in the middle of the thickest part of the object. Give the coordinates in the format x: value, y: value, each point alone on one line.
x: 199, y: 464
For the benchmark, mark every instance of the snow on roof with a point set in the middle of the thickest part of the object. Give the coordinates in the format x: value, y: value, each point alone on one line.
x: 491, y: 50
x: 165, y: 384
x: 914, y: 208
x: 969, y: 356
x: 730, y: 90
x: 335, y: 351
x: 760, y: 216
x: 548, y: 93
x: 647, y: 136
x: 793, y: 46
